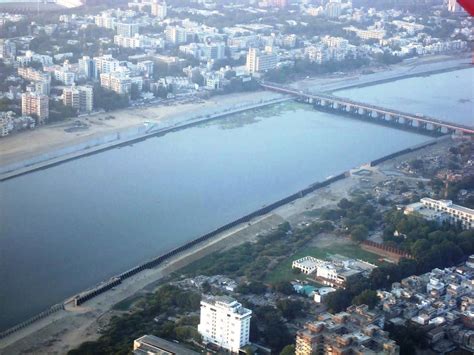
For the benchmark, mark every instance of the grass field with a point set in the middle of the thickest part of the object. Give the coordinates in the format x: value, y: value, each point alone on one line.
x: 283, y: 271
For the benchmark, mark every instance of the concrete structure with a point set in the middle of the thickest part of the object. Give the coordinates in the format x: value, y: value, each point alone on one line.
x: 333, y: 8
x: 376, y: 113
x: 455, y: 213
x: 258, y: 61
x: 7, y: 49
x: 152, y: 345
x: 116, y: 81
x: 79, y: 97
x: 356, y: 331
x: 35, y: 104
x: 127, y: 29
x: 224, y: 322
x: 104, y: 65
x: 159, y: 9
x: 441, y: 302
x: 331, y: 273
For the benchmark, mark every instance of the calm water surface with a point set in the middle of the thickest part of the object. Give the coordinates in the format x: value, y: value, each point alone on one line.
x: 448, y: 96
x: 69, y: 227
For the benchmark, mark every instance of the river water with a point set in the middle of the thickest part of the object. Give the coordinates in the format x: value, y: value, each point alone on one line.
x: 66, y: 228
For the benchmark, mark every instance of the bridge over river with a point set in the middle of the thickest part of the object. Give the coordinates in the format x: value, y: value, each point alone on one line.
x: 379, y: 114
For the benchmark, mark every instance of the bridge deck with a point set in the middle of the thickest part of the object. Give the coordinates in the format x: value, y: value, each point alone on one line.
x: 344, y: 102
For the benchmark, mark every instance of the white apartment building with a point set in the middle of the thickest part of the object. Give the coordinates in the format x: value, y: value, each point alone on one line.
x: 105, y: 21
x: 138, y: 41
x: 35, y: 104
x: 260, y: 61
x: 65, y: 76
x: 224, y: 322
x: 127, y: 29
x: 117, y: 82
x: 176, y: 35
x: 79, y: 97
x: 455, y: 213
x: 159, y: 9
x: 105, y: 64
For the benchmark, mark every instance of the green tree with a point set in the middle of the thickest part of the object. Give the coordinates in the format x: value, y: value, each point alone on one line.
x: 359, y: 233
x: 367, y: 297
x: 288, y: 350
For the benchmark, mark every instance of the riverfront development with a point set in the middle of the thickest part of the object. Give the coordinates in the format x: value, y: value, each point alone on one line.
x: 300, y: 169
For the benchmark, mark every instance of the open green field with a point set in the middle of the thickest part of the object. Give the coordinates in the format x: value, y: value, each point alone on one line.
x: 283, y: 271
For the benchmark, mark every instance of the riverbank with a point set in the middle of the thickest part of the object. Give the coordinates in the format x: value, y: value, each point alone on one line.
x: 52, y: 144
x: 66, y: 329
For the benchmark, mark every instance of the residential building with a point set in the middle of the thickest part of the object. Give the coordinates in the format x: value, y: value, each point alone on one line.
x: 86, y: 67
x: 356, y: 331
x: 79, y: 97
x: 116, y: 81
x: 127, y: 29
x: 104, y: 65
x: 159, y: 9
x: 35, y: 104
x: 176, y: 35
x: 258, y: 61
x: 440, y: 302
x: 138, y: 41
x: 7, y: 49
x: 106, y: 21
x: 224, y: 322
x: 333, y: 8
x: 152, y: 345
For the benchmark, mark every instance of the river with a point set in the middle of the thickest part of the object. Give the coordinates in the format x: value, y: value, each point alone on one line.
x: 66, y: 228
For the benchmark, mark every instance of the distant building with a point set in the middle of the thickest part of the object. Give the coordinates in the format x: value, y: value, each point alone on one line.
x: 453, y: 6
x: 356, y: 331
x: 104, y: 65
x: 127, y: 29
x: 456, y: 213
x: 35, y: 104
x: 152, y: 345
x: 116, y: 81
x: 258, y: 61
x: 333, y: 8
x: 159, y: 9
x: 224, y: 322
x: 79, y: 97
x: 7, y: 49
x: 176, y: 35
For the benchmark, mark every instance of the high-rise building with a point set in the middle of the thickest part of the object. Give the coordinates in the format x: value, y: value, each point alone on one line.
x: 105, y: 64
x: 280, y: 3
x: 333, y: 8
x: 258, y: 61
x: 79, y: 97
x: 86, y: 67
x: 159, y: 9
x: 7, y: 49
x: 116, y: 81
x: 35, y: 104
x: 176, y: 35
x: 127, y: 29
x: 224, y: 322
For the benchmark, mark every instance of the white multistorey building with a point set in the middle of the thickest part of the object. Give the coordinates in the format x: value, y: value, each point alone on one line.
x: 258, y: 61
x: 224, y: 322
x: 455, y: 213
x: 79, y: 97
